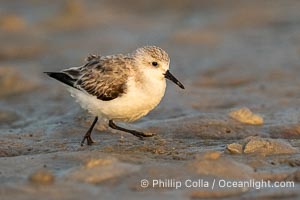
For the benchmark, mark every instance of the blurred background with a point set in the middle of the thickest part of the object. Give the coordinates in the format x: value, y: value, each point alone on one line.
x: 209, y: 42
x: 228, y: 54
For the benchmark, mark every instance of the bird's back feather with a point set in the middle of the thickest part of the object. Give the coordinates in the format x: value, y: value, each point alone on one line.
x: 103, y: 77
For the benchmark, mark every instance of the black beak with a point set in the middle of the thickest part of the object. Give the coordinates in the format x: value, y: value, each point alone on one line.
x: 172, y: 78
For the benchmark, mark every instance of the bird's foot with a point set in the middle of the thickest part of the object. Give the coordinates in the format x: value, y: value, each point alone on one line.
x: 138, y: 134
x: 88, y: 140
x: 141, y: 135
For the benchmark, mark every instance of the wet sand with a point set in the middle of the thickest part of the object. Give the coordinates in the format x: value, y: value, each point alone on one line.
x: 237, y: 119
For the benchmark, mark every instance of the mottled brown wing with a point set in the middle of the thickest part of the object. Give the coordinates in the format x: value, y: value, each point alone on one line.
x: 104, y: 78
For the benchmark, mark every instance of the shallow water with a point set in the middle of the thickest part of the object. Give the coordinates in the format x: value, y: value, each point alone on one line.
x: 228, y: 55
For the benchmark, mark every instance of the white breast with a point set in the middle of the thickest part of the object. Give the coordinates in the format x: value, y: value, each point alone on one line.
x: 136, y: 103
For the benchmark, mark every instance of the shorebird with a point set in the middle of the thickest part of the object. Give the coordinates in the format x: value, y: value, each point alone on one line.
x: 119, y: 87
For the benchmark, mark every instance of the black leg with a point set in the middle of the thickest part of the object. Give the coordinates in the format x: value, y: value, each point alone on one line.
x: 133, y: 132
x: 87, y: 135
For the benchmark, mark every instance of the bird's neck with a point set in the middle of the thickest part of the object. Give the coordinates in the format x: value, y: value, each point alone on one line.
x: 152, y: 84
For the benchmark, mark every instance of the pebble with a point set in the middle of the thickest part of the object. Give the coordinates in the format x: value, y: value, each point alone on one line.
x: 246, y: 116
x: 42, y: 177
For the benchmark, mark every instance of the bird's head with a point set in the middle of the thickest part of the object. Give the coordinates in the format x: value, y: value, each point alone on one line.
x: 155, y: 61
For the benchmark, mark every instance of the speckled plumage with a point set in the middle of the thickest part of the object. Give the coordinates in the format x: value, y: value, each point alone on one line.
x: 105, y: 76
x: 120, y: 87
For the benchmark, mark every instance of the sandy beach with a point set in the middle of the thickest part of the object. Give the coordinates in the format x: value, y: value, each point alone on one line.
x: 233, y: 133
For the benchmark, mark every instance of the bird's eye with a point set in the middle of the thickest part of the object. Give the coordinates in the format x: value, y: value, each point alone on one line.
x: 154, y: 64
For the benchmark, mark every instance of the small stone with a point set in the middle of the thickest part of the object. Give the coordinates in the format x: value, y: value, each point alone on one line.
x: 43, y: 177
x: 102, y: 170
x: 213, y: 155
x: 294, y: 176
x: 245, y: 115
x: 235, y: 148
x: 98, y: 162
x: 268, y: 146
x: 294, y: 163
x: 223, y: 167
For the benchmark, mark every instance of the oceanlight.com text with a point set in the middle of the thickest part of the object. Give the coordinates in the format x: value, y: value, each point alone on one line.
x: 214, y: 183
